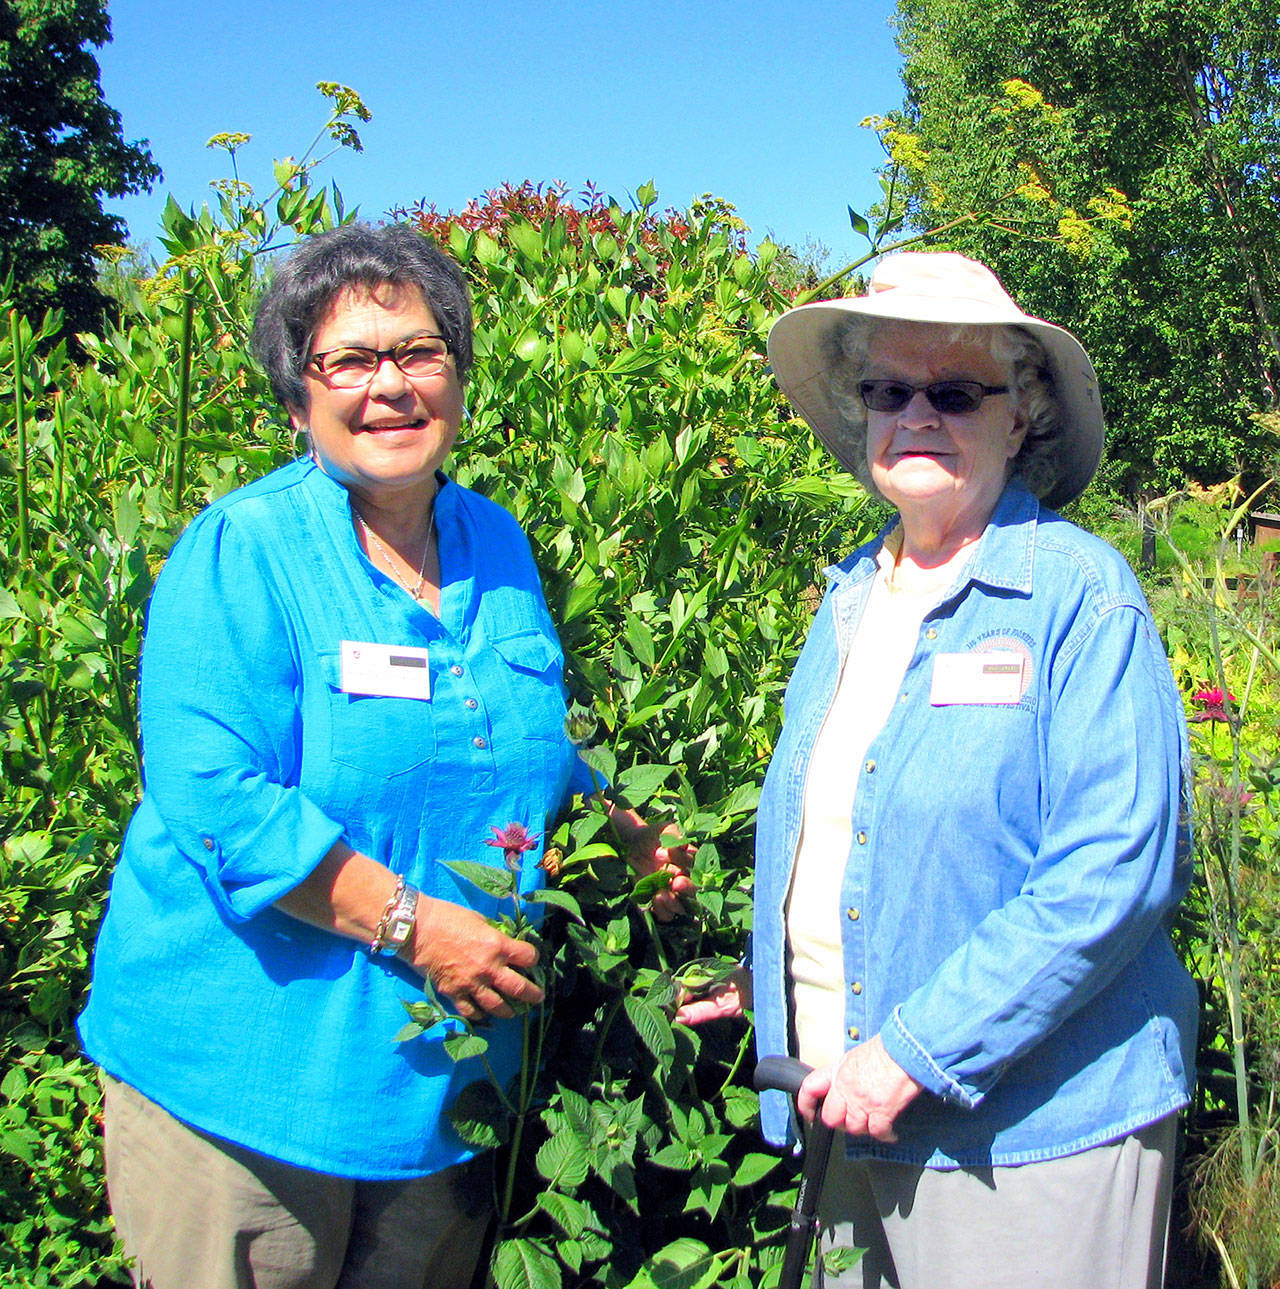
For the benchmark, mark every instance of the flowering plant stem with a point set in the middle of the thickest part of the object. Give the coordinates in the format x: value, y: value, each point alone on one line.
x: 20, y: 421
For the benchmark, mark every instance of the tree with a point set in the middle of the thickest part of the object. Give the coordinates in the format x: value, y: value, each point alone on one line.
x: 1132, y: 155
x: 61, y: 153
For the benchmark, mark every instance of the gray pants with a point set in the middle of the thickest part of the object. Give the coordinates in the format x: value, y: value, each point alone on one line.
x: 1095, y: 1220
x: 196, y: 1212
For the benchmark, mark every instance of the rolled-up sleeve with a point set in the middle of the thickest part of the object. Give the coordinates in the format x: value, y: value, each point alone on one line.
x: 1112, y: 861
x: 221, y: 725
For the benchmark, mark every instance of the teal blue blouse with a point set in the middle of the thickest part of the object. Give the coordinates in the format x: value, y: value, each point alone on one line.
x: 231, y: 1015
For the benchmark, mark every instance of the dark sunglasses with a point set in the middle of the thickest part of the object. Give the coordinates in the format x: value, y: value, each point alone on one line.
x: 952, y: 397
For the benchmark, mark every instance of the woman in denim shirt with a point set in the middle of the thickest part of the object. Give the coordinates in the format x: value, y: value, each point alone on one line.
x: 972, y: 838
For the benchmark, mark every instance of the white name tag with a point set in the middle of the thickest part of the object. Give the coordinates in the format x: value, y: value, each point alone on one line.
x: 385, y: 671
x: 959, y: 678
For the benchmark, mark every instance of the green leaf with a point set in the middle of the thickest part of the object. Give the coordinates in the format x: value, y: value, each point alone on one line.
x: 463, y: 1046
x: 498, y: 882
x: 675, y: 1155
x: 479, y: 1116
x: 650, y: 885
x: 683, y: 1264
x: 21, y: 1143
x: 14, y: 1084
x: 741, y: 1107
x: 522, y: 1264
x: 600, y: 759
x: 653, y: 1028
x: 859, y: 224
x: 559, y: 899
x: 638, y: 783
x: 526, y: 239
x: 594, y: 850
x: 582, y: 596
x: 571, y: 1215
x: 640, y: 638
x: 562, y: 1160
x: 752, y: 1168
x: 841, y: 1258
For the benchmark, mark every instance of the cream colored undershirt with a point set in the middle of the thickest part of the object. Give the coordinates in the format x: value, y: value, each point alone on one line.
x: 881, y: 649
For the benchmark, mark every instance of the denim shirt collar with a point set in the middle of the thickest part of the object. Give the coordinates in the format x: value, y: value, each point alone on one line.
x: 1002, y: 561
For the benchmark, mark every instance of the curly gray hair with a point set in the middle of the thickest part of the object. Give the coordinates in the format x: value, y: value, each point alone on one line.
x: 1016, y: 350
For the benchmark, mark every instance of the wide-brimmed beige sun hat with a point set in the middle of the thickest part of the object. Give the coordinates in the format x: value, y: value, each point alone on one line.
x: 938, y: 287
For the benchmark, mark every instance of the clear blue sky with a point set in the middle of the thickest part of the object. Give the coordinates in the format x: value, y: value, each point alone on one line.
x: 756, y: 101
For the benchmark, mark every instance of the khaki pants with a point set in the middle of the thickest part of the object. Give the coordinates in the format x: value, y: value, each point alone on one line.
x: 196, y: 1212
x: 1095, y: 1220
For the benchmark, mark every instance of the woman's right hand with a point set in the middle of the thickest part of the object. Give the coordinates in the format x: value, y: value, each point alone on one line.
x: 724, y: 1001
x: 471, y: 961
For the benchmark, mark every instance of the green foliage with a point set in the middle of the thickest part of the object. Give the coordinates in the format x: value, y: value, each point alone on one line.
x: 620, y: 409
x: 1130, y: 162
x: 61, y: 153
x: 103, y: 463
x: 1220, y: 615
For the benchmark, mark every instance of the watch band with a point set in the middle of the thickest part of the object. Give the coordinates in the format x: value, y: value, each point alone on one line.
x: 398, y: 919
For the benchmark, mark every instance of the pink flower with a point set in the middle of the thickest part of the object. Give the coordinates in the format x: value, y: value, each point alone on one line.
x: 514, y: 839
x: 1213, y: 706
x: 1240, y: 798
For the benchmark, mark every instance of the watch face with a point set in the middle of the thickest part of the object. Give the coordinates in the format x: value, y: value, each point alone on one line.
x: 398, y: 931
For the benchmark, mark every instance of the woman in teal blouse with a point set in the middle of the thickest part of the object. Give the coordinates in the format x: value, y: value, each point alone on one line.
x: 350, y: 677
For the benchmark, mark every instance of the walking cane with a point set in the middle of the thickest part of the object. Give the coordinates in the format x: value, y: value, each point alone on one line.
x: 785, y: 1074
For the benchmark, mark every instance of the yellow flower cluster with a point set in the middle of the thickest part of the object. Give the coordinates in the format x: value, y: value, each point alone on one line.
x: 344, y: 99
x: 229, y: 139
x: 1075, y: 233
x: 903, y: 147
x: 1026, y: 98
x: 1033, y: 187
x: 1112, y: 205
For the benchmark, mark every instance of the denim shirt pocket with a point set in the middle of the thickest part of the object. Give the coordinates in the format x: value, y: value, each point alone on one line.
x: 381, y: 736
x: 535, y: 671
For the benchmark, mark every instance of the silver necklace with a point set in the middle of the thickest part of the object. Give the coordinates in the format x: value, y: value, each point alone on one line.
x: 416, y: 590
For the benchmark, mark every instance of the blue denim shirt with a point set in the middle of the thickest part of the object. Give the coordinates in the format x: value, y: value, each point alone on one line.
x: 1014, y: 867
x: 230, y: 1014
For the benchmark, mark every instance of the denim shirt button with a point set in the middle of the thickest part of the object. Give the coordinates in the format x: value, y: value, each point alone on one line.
x: 902, y: 698
x: 472, y: 704
x: 870, y: 767
x: 854, y: 1032
x: 456, y: 669
x: 852, y: 914
x: 856, y: 987
x: 478, y: 742
x: 862, y: 839
x: 931, y: 634
x: 208, y: 842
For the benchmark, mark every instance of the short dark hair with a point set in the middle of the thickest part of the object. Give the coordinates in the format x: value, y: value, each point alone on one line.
x: 318, y: 270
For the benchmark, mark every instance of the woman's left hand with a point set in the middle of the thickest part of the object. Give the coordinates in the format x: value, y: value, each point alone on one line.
x: 647, y: 854
x: 862, y: 1094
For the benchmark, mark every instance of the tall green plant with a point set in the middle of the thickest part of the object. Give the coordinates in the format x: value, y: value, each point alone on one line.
x: 1229, y: 627
x: 621, y: 409
x: 104, y: 462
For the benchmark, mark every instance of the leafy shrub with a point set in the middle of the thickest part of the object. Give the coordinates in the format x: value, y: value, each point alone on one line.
x: 621, y: 411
